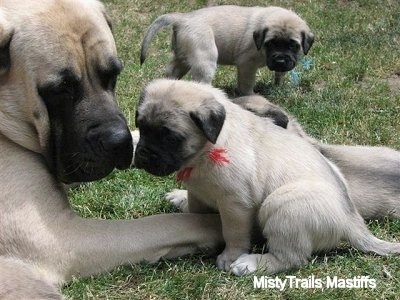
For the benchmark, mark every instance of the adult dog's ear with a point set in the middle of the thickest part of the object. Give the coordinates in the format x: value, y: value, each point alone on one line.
x: 6, y: 33
x: 259, y: 37
x: 307, y: 39
x: 209, y: 117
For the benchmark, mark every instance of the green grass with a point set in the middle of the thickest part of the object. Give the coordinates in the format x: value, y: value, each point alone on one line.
x: 350, y: 96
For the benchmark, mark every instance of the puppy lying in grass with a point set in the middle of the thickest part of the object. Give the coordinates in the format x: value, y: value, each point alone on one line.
x: 372, y: 173
x: 250, y: 171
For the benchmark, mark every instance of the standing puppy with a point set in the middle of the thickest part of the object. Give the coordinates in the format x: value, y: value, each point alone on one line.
x: 250, y: 171
x: 247, y: 37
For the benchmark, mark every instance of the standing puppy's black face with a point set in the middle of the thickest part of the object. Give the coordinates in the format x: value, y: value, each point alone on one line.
x: 282, y: 54
x: 282, y: 48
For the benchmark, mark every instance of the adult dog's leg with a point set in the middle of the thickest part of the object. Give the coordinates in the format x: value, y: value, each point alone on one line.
x: 38, y: 226
x: 92, y: 246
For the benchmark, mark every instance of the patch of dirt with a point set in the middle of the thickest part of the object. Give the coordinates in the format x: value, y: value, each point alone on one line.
x: 394, y: 83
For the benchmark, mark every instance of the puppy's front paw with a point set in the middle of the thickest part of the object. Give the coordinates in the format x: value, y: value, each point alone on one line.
x: 135, y: 140
x: 179, y: 199
x: 245, y: 264
x: 226, y: 258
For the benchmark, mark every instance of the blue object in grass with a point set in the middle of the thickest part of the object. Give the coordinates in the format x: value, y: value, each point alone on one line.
x: 306, y: 63
x: 295, y: 77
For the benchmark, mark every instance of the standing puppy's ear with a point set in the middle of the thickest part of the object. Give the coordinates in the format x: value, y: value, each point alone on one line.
x: 307, y: 39
x: 209, y: 118
x: 259, y: 37
x: 6, y: 32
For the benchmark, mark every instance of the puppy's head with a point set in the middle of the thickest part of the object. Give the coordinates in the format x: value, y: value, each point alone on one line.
x: 176, y: 120
x: 58, y: 69
x: 284, y: 38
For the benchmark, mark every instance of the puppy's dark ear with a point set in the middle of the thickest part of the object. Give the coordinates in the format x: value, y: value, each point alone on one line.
x: 108, y: 20
x: 209, y: 118
x: 307, y: 39
x: 259, y: 37
x: 140, y: 102
x: 279, y: 117
x: 6, y: 33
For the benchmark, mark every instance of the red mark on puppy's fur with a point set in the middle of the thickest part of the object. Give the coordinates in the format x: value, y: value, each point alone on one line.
x: 184, y: 174
x: 218, y: 156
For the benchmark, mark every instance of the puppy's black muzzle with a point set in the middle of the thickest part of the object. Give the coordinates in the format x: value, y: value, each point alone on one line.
x: 281, y: 63
x: 153, y: 163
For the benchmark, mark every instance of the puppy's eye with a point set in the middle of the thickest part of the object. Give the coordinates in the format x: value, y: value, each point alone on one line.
x: 169, y: 136
x: 270, y: 43
x: 293, y: 45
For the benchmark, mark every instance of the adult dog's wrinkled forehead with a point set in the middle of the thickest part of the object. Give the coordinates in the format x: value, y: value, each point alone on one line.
x: 80, y: 39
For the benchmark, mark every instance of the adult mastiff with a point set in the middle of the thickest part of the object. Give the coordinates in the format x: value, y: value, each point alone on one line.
x: 59, y: 123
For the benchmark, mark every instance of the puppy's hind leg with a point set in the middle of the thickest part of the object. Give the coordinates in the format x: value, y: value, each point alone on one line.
x: 284, y: 225
x: 176, y: 69
x: 203, y: 63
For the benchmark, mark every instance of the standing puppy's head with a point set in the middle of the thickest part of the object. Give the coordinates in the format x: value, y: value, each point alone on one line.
x: 284, y: 37
x: 176, y: 120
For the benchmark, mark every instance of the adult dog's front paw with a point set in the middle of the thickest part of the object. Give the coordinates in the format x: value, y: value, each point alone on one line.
x: 179, y: 199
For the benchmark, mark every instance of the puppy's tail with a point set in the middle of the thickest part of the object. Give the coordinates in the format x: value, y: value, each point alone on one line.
x: 160, y: 22
x: 362, y: 239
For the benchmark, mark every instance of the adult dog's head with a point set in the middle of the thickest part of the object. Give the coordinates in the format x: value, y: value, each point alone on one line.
x: 58, y: 69
x: 283, y: 37
x: 176, y: 120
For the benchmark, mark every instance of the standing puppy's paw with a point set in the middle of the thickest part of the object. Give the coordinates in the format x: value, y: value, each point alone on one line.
x: 179, y: 199
x: 245, y: 264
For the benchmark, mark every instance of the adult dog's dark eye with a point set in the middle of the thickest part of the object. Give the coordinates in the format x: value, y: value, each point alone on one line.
x: 66, y: 89
x: 108, y: 80
x: 108, y: 76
